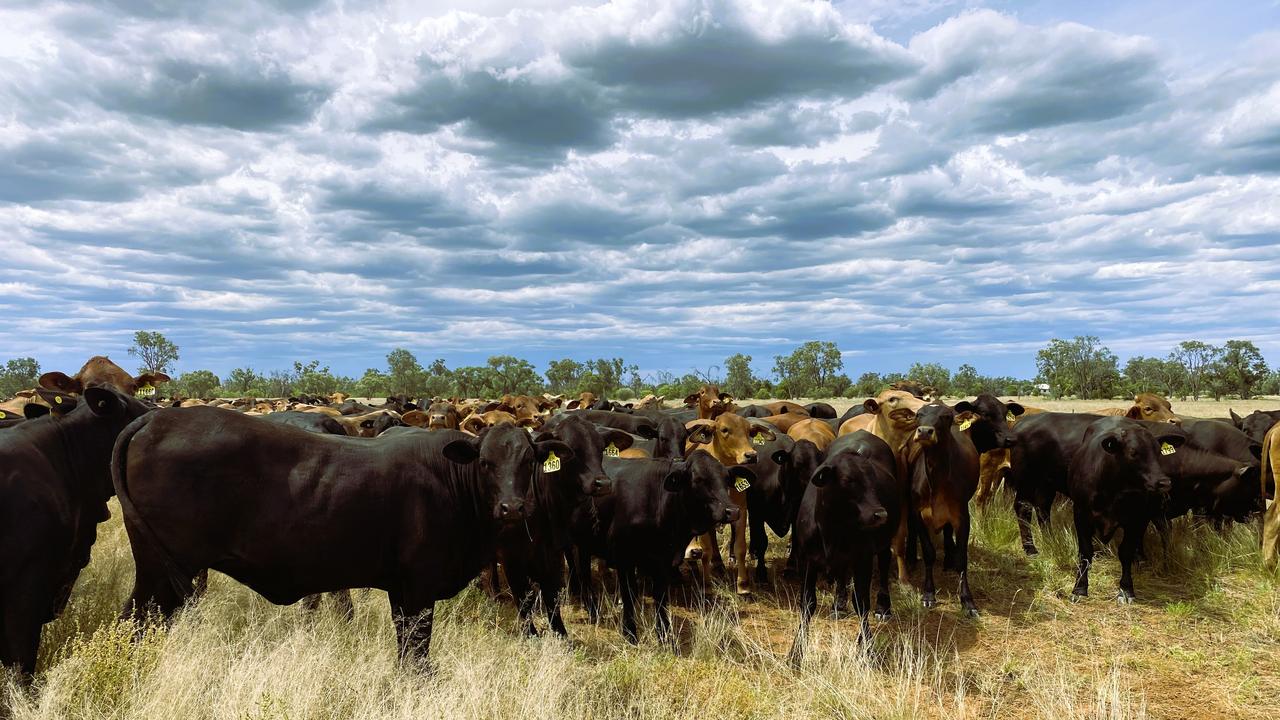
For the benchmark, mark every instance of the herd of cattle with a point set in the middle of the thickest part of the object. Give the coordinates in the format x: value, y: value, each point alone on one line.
x: 302, y: 496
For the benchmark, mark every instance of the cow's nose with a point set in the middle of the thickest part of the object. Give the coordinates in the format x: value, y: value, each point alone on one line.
x: 511, y: 510
x: 695, y: 553
x: 750, y: 456
x: 880, y: 514
x: 730, y: 514
x: 925, y: 432
x: 1010, y: 441
x: 601, y: 486
x: 1175, y: 421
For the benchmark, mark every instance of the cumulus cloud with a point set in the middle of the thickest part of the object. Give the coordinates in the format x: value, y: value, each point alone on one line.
x: 667, y: 180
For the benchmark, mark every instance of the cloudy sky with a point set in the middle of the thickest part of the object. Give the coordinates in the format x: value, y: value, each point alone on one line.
x: 667, y: 180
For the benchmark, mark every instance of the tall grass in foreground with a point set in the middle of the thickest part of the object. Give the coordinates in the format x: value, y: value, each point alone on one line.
x: 233, y: 655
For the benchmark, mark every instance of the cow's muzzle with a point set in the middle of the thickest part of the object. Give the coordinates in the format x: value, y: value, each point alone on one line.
x: 510, y: 511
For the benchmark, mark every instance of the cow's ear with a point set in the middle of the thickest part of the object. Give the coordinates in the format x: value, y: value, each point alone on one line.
x: 103, y: 402
x: 617, y: 438
x: 1134, y: 413
x: 462, y: 451
x: 1014, y: 408
x: 692, y: 399
x: 415, y: 418
x: 780, y: 456
x: 646, y: 431
x: 871, y: 406
x: 60, y: 382
x: 725, y: 397
x: 31, y: 411
x: 822, y: 475
x: 677, y: 477
x: 963, y: 406
x: 152, y: 379
x: 573, y: 405
x: 60, y: 403
x: 762, y: 429
x: 543, y: 448
x: 1111, y: 444
x: 701, y: 434
x: 1175, y: 439
x: 1236, y: 419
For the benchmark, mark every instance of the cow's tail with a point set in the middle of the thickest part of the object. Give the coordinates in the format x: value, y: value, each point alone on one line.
x: 1266, y: 465
x: 178, y: 578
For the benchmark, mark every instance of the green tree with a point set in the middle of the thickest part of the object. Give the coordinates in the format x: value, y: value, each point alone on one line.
x: 404, y: 374
x: 604, y: 375
x: 510, y: 374
x: 373, y: 384
x: 1241, y: 367
x: 931, y: 374
x: 312, y: 379
x: 869, y: 385
x: 278, y: 383
x: 198, y: 383
x: 155, y: 351
x: 1149, y: 374
x: 809, y: 368
x: 966, y: 381
x: 739, y: 381
x: 1197, y: 359
x: 1081, y: 366
x: 471, y: 381
x: 563, y: 376
x: 18, y: 374
x: 241, y: 380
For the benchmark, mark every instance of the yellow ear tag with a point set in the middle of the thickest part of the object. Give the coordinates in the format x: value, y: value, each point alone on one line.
x: 57, y: 399
x: 2, y: 415
x: 741, y: 484
x: 1167, y: 449
x: 146, y: 391
x: 611, y: 450
x: 552, y: 463
x: 1009, y: 416
x: 964, y: 424
x: 758, y: 439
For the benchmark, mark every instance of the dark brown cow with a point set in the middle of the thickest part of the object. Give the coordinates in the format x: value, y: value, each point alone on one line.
x: 100, y: 371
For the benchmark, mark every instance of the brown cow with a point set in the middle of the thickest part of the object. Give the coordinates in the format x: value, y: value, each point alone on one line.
x: 817, y: 432
x: 710, y: 402
x: 584, y: 402
x: 785, y: 421
x: 786, y: 407
x: 731, y: 439
x: 16, y: 407
x: 442, y: 415
x: 99, y: 370
x: 1271, y: 517
x: 927, y: 393
x: 1146, y: 406
x: 650, y: 401
x: 475, y: 421
x: 367, y: 425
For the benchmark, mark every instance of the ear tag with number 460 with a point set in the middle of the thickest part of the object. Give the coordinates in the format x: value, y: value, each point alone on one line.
x: 1167, y: 449
x: 741, y: 484
x: 611, y: 450
x: 552, y: 463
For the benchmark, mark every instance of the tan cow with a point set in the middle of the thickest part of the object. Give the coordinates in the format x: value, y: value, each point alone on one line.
x: 442, y: 415
x: 16, y: 406
x: 1271, y: 516
x: 816, y: 431
x: 99, y: 370
x: 476, y: 421
x: 366, y: 425
x: 1146, y: 406
x: 785, y: 421
x: 650, y: 401
x: 710, y: 402
x: 731, y: 439
x: 583, y: 402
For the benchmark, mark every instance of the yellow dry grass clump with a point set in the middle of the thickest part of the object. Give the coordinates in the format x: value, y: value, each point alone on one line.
x: 1202, y: 641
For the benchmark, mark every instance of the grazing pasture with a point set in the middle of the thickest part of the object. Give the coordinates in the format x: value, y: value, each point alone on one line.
x: 1203, y: 640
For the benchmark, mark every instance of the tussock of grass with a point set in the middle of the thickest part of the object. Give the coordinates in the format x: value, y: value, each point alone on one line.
x: 1201, y: 641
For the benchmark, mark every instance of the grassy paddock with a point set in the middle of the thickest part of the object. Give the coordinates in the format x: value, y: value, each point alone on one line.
x: 1202, y: 641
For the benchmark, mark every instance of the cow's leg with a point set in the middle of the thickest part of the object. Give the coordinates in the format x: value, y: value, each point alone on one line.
x: 517, y: 570
x: 840, y: 592
x: 1133, y: 533
x: 913, y: 543
x: 586, y: 586
x: 24, y: 608
x: 711, y: 551
x: 550, y: 579
x: 808, y: 604
x: 1271, y: 534
x: 862, y: 592
x: 949, y: 559
x: 1084, y: 540
x: 311, y: 603
x: 928, y: 591
x: 884, y: 560
x: 900, y: 545
x: 759, y: 546
x: 740, y: 546
x: 988, y: 474
x: 153, y: 588
x: 962, y: 562
x: 414, y: 619
x: 343, y: 604
x: 698, y: 555
x: 627, y: 588
x: 1023, y: 508
x: 662, y: 614
x: 792, y: 571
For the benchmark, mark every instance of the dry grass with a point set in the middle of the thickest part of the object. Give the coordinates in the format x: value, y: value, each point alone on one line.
x: 1201, y: 642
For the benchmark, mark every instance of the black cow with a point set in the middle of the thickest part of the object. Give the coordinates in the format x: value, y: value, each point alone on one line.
x: 1257, y: 423
x: 943, y: 477
x: 290, y: 513
x: 782, y: 471
x: 634, y: 424
x: 1115, y: 474
x: 753, y: 411
x: 534, y: 551
x: 55, y: 480
x: 312, y: 422
x: 989, y: 427
x: 656, y: 508
x: 847, y: 519
x: 821, y: 410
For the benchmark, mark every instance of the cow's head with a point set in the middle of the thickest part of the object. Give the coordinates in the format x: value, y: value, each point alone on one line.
x: 99, y: 371
x: 710, y: 402
x: 1255, y: 424
x: 1152, y: 408
x: 589, y: 444
x: 506, y: 455
x: 730, y: 438
x: 989, y: 425
x: 476, y: 422
x: 582, y: 402
x: 933, y: 423
x: 1133, y: 447
x: 896, y: 408
x: 704, y: 483
x: 847, y: 481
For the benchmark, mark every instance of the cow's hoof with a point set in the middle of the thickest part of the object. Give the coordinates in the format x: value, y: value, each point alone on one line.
x: 929, y: 600
x: 1030, y: 549
x: 883, y: 614
x: 1124, y: 598
x: 971, y: 612
x: 1077, y: 595
x: 744, y: 589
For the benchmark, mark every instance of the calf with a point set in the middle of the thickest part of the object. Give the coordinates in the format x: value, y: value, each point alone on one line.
x: 1257, y: 423
x: 847, y: 518
x: 1113, y: 477
x: 98, y: 371
x: 732, y: 439
x: 291, y: 514
x: 55, y: 481
x: 943, y: 476
x: 657, y: 506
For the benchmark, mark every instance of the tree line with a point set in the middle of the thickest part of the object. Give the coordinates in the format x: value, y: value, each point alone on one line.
x: 1080, y: 367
